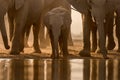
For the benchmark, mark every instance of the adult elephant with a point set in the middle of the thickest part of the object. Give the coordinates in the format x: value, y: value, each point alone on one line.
x: 58, y: 22
x: 98, y: 9
x: 23, y: 18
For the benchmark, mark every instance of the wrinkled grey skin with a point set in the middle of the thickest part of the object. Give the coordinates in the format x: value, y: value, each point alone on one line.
x: 58, y: 22
x: 98, y: 9
x: 25, y: 21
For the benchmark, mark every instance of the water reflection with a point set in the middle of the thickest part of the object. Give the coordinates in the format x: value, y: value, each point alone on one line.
x: 74, y: 69
x: 61, y: 70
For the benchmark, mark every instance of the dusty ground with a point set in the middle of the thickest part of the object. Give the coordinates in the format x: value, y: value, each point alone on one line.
x: 46, y: 52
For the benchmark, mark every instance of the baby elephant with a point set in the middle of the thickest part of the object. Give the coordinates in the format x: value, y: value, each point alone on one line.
x: 58, y: 22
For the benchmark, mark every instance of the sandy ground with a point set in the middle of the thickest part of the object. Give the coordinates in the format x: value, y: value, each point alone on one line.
x: 46, y: 52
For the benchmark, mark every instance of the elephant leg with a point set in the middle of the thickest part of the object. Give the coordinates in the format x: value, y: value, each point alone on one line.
x: 55, y: 54
x: 61, y: 45
x: 65, y: 35
x: 20, y: 20
x: 4, y: 33
x: 94, y: 36
x: 117, y: 21
x: 11, y: 24
x: 22, y: 40
x: 15, y: 50
x: 36, y: 42
x: 102, y: 40
x: 86, y: 36
x: 109, y: 25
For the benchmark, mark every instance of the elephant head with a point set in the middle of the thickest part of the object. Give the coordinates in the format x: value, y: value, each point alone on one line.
x: 57, y: 20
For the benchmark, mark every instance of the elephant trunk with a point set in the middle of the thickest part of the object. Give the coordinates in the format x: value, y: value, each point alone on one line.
x: 4, y: 33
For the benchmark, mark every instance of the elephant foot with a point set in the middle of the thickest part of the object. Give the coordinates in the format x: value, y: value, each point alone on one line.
x: 93, y: 49
x: 13, y: 52
x: 37, y: 51
x: 7, y: 47
x: 111, y: 45
x: 84, y: 53
x: 104, y: 53
x: 65, y: 55
x: 53, y: 56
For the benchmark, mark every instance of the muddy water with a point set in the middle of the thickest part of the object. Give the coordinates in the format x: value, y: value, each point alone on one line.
x: 47, y: 69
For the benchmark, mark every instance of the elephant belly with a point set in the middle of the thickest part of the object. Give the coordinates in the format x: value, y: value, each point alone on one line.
x: 35, y: 10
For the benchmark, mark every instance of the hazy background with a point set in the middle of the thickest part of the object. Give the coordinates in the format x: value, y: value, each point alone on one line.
x: 76, y: 26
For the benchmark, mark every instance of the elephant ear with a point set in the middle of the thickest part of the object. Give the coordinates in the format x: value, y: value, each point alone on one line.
x: 19, y: 4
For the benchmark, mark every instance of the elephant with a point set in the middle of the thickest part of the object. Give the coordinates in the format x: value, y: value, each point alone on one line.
x: 98, y: 9
x: 23, y: 18
x: 58, y: 21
